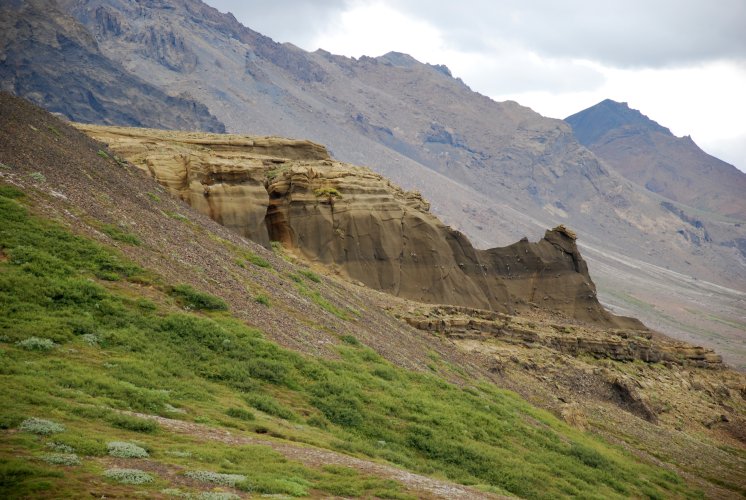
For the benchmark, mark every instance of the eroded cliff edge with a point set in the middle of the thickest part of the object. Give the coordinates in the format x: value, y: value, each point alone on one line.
x: 357, y: 223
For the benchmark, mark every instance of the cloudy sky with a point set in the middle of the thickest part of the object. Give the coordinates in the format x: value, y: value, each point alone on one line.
x: 681, y: 62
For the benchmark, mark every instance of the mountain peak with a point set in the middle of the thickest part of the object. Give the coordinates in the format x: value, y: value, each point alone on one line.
x: 399, y: 59
x: 650, y: 155
x: 592, y: 123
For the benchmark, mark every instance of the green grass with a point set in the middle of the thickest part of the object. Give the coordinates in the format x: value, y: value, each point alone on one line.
x: 310, y: 275
x: 263, y: 299
x: 62, y: 287
x: 119, y: 234
x: 196, y: 300
x: 256, y: 260
x: 320, y: 301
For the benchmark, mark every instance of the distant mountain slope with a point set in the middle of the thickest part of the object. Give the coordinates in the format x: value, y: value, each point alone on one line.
x: 494, y: 171
x: 49, y: 58
x: 650, y: 155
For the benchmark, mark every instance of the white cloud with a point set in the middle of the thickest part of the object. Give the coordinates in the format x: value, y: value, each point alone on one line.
x: 622, y: 33
x: 375, y: 29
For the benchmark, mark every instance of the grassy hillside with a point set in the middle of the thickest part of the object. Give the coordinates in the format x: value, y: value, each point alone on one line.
x: 88, y: 337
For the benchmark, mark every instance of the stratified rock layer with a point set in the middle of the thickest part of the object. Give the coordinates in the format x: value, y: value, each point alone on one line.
x: 356, y: 222
x: 623, y: 344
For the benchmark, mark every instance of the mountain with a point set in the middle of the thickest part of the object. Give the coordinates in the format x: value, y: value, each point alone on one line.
x: 49, y: 58
x: 497, y: 172
x: 651, y: 156
x: 149, y: 351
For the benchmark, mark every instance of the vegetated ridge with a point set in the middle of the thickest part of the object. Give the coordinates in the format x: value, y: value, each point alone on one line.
x: 140, y: 356
x: 651, y: 156
x: 494, y: 171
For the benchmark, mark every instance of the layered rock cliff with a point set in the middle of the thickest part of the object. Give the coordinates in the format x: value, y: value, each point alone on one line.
x: 356, y: 222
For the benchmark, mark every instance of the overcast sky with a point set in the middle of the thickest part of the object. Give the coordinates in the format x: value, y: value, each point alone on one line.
x: 681, y: 62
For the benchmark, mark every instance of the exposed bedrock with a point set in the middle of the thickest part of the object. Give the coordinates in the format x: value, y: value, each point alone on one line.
x: 356, y: 222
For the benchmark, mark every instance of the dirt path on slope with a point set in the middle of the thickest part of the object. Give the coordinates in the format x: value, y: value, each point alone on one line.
x: 317, y: 457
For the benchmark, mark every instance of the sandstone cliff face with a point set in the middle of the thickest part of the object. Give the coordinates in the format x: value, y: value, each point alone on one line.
x: 356, y: 222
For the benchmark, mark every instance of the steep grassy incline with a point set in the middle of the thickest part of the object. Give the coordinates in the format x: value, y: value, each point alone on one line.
x: 86, y: 334
x: 105, y: 311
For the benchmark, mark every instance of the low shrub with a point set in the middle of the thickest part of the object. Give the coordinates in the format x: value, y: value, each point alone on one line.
x: 217, y: 495
x: 61, y: 459
x: 60, y: 447
x: 135, y: 424
x: 36, y: 344
x: 41, y: 426
x: 257, y: 260
x: 268, y: 405
x: 10, y: 420
x: 83, y: 445
x: 118, y: 234
x: 350, y: 339
x: 263, y: 300
x: 90, y: 339
x: 205, y: 476
x: 10, y: 191
x: 240, y: 414
x: 310, y: 275
x: 123, y: 449
x: 38, y: 176
x: 128, y: 476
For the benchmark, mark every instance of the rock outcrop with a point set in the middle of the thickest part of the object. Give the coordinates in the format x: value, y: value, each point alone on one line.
x: 633, y: 342
x: 356, y: 222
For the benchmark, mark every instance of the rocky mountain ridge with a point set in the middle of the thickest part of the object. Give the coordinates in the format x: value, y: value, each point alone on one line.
x: 651, y: 156
x: 49, y: 58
